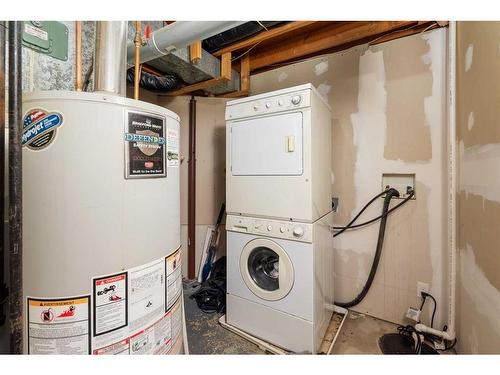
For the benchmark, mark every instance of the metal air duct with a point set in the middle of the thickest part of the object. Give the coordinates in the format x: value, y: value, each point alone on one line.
x: 110, y: 57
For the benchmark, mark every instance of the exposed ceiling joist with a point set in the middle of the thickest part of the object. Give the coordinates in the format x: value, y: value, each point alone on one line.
x: 265, y: 35
x: 330, y: 36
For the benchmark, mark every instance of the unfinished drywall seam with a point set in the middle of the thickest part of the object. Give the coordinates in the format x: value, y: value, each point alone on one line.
x: 485, y: 296
x: 479, y: 170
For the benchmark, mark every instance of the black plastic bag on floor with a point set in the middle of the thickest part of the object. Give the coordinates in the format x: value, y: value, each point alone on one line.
x: 211, y: 297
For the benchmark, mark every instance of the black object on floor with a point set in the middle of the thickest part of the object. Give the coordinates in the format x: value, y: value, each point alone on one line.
x: 211, y: 296
x: 396, y: 343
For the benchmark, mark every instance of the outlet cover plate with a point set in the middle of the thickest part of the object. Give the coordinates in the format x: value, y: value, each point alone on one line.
x: 422, y: 287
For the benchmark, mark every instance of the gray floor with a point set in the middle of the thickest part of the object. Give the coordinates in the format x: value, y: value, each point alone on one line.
x: 359, y: 335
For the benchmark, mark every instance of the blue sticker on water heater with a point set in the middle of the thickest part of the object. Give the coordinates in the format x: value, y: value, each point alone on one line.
x: 39, y: 128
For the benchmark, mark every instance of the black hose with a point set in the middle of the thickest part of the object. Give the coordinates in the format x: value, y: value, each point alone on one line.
x: 378, y: 252
x: 350, y: 226
x: 342, y: 229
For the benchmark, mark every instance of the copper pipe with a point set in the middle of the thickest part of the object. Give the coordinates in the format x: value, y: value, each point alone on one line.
x: 138, y: 45
x: 78, y: 42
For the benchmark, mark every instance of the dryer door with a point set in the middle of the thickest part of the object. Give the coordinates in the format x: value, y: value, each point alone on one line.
x: 267, y: 146
x: 266, y: 269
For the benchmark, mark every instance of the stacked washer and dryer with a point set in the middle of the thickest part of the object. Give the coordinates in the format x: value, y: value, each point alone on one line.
x: 279, y: 215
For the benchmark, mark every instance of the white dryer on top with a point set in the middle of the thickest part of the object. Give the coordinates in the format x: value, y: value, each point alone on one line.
x: 279, y: 155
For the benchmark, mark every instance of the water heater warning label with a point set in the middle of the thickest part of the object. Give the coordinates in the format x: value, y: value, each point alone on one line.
x: 144, y: 145
x: 110, y: 303
x: 59, y: 326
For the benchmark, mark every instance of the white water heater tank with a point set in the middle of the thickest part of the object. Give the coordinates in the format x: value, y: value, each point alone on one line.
x: 101, y: 225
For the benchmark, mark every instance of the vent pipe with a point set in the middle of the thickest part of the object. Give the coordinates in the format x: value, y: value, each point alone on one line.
x: 177, y: 35
x: 111, y: 57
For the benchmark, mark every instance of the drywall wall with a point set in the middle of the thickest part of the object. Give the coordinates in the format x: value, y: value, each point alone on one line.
x: 478, y: 199
x: 389, y: 116
x: 210, y: 167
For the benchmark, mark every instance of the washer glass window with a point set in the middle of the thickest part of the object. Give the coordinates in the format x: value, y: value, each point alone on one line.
x: 263, y: 267
x: 266, y: 269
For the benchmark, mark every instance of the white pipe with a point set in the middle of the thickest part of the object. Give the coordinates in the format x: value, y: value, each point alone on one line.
x: 447, y: 335
x: 452, y: 178
x: 450, y: 333
x: 177, y: 35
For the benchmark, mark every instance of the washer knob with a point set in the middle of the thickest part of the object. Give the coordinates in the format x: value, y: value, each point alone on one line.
x: 296, y: 99
x: 281, y: 102
x: 282, y: 229
x: 255, y: 107
x: 268, y: 105
x: 298, y: 231
x: 269, y: 228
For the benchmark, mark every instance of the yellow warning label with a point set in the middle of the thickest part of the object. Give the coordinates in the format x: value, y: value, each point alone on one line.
x: 60, y: 302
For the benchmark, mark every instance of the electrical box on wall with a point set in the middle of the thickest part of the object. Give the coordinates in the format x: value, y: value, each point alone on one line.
x: 402, y: 182
x: 48, y: 37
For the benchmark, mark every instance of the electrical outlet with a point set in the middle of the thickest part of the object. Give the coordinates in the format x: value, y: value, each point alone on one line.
x: 404, y: 183
x: 422, y: 287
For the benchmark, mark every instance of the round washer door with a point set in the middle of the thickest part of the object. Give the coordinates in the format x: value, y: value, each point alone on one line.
x: 266, y: 269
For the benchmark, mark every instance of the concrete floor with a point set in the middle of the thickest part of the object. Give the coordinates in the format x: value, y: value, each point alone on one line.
x: 359, y: 335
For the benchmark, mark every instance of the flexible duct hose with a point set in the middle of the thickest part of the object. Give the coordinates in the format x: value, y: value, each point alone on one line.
x: 167, y: 82
x: 378, y: 252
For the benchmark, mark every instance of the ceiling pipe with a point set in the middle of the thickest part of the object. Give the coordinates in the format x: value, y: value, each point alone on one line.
x: 177, y: 35
x: 110, y: 57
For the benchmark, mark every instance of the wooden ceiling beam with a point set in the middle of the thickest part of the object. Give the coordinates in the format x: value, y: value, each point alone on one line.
x: 265, y: 35
x: 328, y: 37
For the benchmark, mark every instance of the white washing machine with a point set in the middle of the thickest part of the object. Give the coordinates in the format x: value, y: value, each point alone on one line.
x: 280, y: 280
x: 278, y: 155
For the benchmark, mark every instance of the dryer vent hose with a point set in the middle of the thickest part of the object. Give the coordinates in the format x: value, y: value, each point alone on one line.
x: 390, y: 193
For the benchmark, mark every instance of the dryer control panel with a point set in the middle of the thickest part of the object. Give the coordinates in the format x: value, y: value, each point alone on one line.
x: 270, y: 104
x: 287, y: 230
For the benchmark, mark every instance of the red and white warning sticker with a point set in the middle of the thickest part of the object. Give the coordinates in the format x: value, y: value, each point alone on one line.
x: 59, y: 326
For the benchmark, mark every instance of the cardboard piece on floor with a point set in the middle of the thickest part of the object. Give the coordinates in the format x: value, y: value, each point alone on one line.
x: 204, y: 254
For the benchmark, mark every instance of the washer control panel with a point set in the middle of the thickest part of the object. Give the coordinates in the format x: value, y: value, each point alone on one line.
x: 272, y: 104
x: 288, y: 230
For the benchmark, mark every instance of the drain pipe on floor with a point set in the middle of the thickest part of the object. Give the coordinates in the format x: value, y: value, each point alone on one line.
x: 192, y: 190
x: 15, y: 190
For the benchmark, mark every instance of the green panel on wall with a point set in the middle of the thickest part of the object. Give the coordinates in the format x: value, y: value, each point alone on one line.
x: 47, y: 37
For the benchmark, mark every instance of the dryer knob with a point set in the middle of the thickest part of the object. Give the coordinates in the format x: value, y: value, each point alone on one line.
x: 269, y: 228
x: 296, y: 99
x: 298, y: 231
